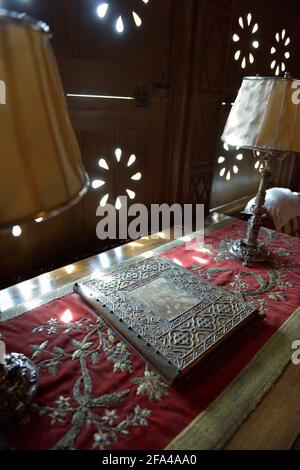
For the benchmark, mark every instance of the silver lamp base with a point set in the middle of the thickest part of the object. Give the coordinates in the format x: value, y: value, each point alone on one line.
x: 251, y: 250
x: 242, y: 250
x: 18, y: 385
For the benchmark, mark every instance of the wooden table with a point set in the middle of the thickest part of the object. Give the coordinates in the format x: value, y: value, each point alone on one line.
x: 275, y: 424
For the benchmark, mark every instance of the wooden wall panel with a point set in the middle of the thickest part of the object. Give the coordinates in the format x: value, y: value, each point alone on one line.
x: 208, y: 41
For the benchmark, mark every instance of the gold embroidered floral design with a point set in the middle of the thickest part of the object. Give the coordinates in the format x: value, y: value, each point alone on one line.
x: 151, y: 385
x: 81, y: 408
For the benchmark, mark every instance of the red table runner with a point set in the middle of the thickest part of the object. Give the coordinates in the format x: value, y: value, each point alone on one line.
x: 96, y: 393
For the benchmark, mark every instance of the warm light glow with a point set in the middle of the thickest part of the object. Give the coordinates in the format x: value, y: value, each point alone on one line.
x: 186, y: 238
x: 176, y: 261
x: 103, y: 164
x: 204, y: 249
x: 137, y: 177
x: 130, y: 193
x: 97, y: 184
x: 104, y: 200
x: 257, y: 165
x: 17, y: 231
x: 26, y: 289
x: 120, y: 25
x: 118, y: 153
x: 6, y: 301
x: 243, y: 55
x: 33, y: 304
x: 45, y: 283
x: 118, y: 204
x: 200, y: 260
x: 67, y: 316
x: 70, y: 269
x: 148, y: 254
x: 39, y: 220
x: 162, y: 235
x: 100, y: 97
x: 131, y: 160
x: 137, y: 19
x: 119, y: 252
x: 102, y: 10
x: 104, y: 260
x: 136, y: 244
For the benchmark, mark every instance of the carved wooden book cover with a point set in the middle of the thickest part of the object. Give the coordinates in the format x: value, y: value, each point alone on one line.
x: 172, y: 317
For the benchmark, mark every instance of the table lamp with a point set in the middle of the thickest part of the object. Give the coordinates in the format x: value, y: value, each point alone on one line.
x: 41, y: 172
x: 266, y: 119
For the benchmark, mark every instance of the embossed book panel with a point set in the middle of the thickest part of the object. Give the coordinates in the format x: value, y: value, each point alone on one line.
x: 170, y: 316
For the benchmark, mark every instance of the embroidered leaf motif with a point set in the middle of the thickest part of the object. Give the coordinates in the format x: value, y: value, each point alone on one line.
x: 151, y: 385
x: 52, y: 367
x: 282, y: 252
x: 119, y: 355
x: 85, y: 411
x: 95, y: 357
x: 58, y: 350
x: 76, y: 354
x: 38, y: 349
x: 106, y: 400
x: 277, y: 296
x: 106, y: 435
x: 76, y: 343
x: 82, y: 346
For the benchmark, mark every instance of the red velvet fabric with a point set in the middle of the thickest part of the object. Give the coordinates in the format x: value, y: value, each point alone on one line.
x: 275, y: 290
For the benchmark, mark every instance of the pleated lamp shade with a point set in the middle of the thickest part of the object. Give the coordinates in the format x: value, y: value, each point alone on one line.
x: 265, y: 116
x: 41, y: 171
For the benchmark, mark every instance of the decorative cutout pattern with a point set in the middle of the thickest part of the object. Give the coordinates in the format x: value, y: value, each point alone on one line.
x: 280, y: 52
x: 120, y: 15
x: 17, y: 231
x: 123, y: 166
x: 258, y: 164
x: 246, y: 40
x: 227, y: 168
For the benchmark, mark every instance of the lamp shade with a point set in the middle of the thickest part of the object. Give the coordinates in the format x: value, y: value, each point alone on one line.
x: 41, y: 172
x: 265, y: 116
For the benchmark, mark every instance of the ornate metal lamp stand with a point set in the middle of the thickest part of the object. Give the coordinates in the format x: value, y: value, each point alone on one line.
x: 18, y: 384
x: 251, y: 250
